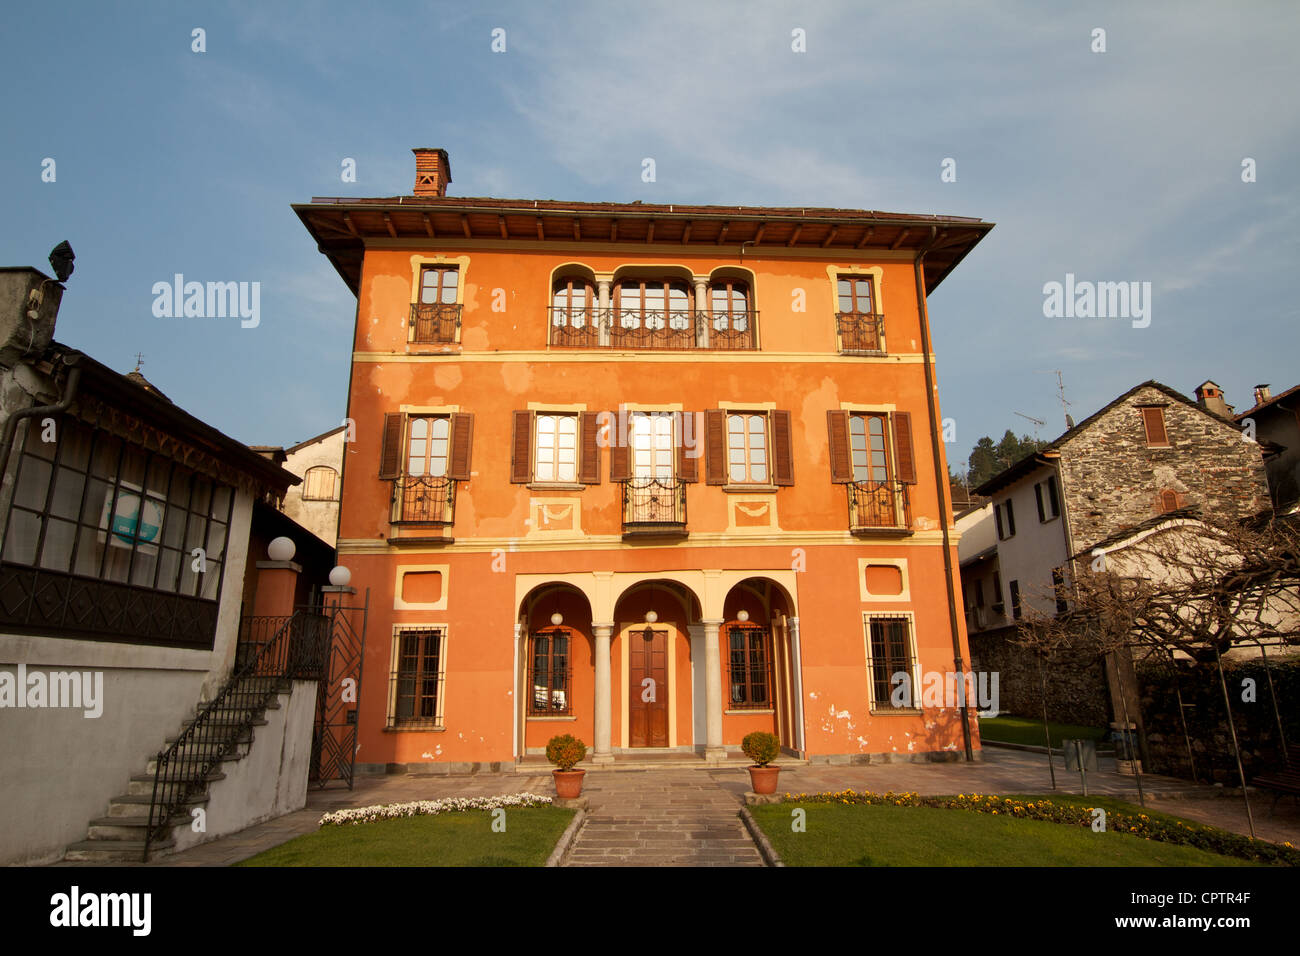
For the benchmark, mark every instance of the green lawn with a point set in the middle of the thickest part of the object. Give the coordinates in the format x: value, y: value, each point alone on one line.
x: 1026, y: 730
x: 841, y: 835
x: 445, y: 839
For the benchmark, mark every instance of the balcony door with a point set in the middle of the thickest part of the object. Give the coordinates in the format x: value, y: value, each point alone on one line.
x: 874, y: 498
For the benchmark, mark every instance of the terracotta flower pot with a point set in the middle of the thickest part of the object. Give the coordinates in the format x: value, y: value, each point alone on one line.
x: 763, y: 779
x: 568, y: 783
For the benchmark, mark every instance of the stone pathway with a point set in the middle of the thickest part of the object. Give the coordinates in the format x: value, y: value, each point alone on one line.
x: 662, y: 818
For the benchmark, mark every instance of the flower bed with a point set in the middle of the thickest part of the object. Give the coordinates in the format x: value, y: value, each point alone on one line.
x: 1139, y: 825
x: 392, y: 811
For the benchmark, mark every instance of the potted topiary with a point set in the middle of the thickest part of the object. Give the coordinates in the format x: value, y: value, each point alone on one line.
x: 565, y: 750
x: 762, y: 748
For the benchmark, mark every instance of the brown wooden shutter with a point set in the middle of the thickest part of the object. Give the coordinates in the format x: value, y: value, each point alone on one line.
x: 837, y: 426
x: 782, y: 452
x: 390, y: 456
x: 462, y: 442
x: 521, y: 449
x: 903, y: 447
x: 688, y: 467
x: 1154, y: 420
x: 715, y: 445
x: 1038, y: 497
x: 589, y: 429
x: 620, y: 458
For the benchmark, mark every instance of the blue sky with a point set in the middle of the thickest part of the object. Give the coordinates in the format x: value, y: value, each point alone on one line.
x: 1117, y: 166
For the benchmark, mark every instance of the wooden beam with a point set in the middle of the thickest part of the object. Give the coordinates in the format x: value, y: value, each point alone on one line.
x: 650, y: 232
x: 794, y: 236
x: 464, y: 225
x: 428, y: 225
x: 613, y: 230
x: 686, y: 233
x: 389, y: 223
x: 347, y: 218
x: 577, y: 229
x: 866, y: 236
x: 899, y: 241
x: 501, y: 221
x: 758, y: 236
x: 722, y: 233
x: 541, y: 232
x: 831, y: 238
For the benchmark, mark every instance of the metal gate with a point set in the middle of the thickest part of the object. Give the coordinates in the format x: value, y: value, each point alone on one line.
x: 338, y: 697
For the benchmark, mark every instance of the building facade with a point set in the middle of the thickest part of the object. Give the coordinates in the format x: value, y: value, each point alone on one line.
x: 657, y: 476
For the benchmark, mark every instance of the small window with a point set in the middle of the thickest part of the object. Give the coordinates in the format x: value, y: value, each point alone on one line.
x: 550, y: 676
x: 1168, y: 501
x: 997, y: 592
x: 747, y: 458
x: 891, y: 652
x: 749, y: 668
x: 1045, y: 496
x: 555, y: 454
x: 1153, y: 420
x: 1005, y: 516
x: 416, y: 680
x: 438, y: 285
x: 857, y: 321
x: 320, y: 484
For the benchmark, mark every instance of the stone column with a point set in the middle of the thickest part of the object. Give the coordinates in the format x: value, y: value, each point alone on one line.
x: 603, y: 753
x: 796, y: 672
x: 701, y: 311
x: 713, y: 749
x: 602, y: 309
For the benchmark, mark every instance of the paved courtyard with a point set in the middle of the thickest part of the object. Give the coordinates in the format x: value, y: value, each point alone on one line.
x: 681, y: 816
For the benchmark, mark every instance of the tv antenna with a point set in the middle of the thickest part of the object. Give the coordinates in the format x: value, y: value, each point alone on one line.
x: 1038, y: 423
x: 1060, y: 394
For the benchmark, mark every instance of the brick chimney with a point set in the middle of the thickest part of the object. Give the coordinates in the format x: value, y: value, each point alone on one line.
x: 1210, y: 397
x: 1262, y: 394
x: 432, y: 172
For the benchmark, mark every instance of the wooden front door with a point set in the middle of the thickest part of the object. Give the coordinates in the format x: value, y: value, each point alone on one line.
x: 647, y: 688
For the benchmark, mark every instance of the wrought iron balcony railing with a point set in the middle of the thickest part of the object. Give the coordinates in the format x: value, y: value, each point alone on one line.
x: 424, y: 500
x: 861, y: 332
x: 435, y: 323
x: 672, y: 329
x: 878, y: 506
x: 654, y: 505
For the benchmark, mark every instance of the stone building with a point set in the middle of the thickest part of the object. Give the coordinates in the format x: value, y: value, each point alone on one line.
x: 1275, y: 421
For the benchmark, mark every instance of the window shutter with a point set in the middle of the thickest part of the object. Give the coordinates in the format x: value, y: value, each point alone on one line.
x: 1038, y: 497
x: 688, y: 468
x: 521, y: 449
x: 390, y: 457
x: 1011, y: 520
x: 837, y: 427
x: 997, y: 514
x: 782, y: 452
x: 715, y: 443
x: 462, y: 441
x: 903, y: 447
x: 1154, y: 420
x: 589, y: 427
x: 620, y: 458
x: 1053, y: 496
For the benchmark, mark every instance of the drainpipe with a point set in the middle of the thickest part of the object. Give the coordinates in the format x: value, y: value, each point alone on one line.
x: 69, y: 395
x: 941, y: 482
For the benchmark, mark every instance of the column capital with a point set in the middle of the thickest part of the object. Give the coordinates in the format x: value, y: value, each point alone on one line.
x: 608, y: 627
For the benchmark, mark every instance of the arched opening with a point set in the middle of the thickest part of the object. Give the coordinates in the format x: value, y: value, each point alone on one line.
x: 556, y: 667
x: 653, y: 666
x: 758, y: 666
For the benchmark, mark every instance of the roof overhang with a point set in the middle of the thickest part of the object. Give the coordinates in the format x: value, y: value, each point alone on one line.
x: 343, y: 228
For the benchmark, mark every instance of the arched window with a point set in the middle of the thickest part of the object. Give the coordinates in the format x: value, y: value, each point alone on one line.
x: 573, y: 302
x: 1168, y: 501
x: 729, y: 305
x: 653, y: 304
x: 320, y: 484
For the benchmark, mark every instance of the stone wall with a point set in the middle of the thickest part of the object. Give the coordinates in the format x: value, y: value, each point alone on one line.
x: 1075, y: 695
x: 1112, y: 480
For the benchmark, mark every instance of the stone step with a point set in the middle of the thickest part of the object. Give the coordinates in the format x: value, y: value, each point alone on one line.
x: 217, y: 729
x: 137, y: 804
x: 142, y: 784
x: 115, y: 851
x: 126, y: 828
x: 152, y: 766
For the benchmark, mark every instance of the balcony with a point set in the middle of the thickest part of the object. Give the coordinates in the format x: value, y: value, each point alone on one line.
x: 654, y: 506
x: 861, y: 333
x: 678, y: 330
x: 436, y: 323
x: 423, y: 509
x: 879, y: 507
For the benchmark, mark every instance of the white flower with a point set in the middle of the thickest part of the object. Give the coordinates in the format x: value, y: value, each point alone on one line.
x: 390, y: 811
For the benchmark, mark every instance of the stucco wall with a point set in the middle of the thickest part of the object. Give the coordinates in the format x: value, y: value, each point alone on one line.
x: 321, y: 518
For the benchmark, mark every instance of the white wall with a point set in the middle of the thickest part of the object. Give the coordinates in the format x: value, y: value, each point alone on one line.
x: 1036, y: 548
x: 321, y: 518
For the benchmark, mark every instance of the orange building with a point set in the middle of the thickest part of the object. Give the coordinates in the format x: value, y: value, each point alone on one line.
x: 653, y: 475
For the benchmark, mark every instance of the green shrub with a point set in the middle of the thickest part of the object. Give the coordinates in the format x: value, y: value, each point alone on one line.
x: 761, y: 747
x: 565, y: 750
